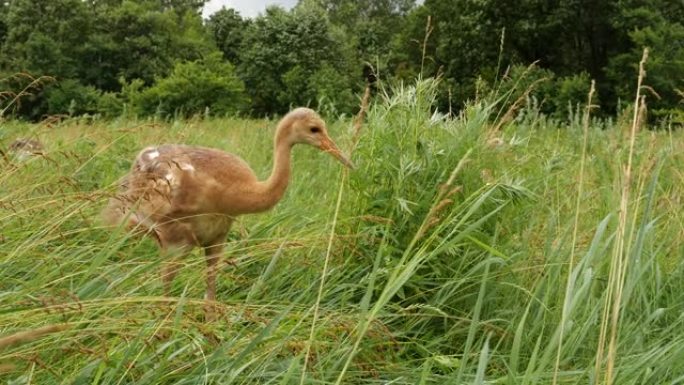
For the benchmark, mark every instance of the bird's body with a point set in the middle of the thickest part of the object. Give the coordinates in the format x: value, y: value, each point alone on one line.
x: 186, y: 196
x: 194, y: 190
x: 24, y: 148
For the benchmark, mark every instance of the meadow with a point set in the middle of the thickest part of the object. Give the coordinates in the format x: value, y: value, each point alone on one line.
x: 483, y: 248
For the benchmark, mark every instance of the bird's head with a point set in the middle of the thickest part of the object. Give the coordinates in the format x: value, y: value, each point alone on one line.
x: 303, y: 125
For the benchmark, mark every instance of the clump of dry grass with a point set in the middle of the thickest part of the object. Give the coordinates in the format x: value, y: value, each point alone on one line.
x: 28, y: 85
x: 30, y: 335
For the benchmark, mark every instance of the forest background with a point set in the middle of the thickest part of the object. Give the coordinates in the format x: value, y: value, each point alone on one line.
x: 110, y: 58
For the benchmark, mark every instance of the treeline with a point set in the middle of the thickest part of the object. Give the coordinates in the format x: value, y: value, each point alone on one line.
x: 159, y: 57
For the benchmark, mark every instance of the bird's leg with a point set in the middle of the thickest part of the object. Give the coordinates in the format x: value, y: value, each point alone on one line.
x: 213, y: 254
x: 169, y: 271
x: 171, y: 265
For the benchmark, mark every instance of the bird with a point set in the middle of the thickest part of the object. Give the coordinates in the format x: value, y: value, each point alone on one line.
x: 188, y: 196
x: 24, y: 148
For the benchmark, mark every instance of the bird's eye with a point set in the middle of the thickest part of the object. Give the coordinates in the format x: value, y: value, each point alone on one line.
x: 315, y: 130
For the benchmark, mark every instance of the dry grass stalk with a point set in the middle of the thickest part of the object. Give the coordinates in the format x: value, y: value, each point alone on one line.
x: 361, y: 116
x: 578, y: 204
x: 519, y: 102
x: 13, y: 98
x: 376, y: 219
x: 442, y: 199
x: 51, y: 121
x: 358, y: 123
x: 501, y: 50
x: 451, y: 112
x: 680, y: 93
x: 618, y: 268
x: 643, y: 111
x: 30, y: 335
x: 428, y: 31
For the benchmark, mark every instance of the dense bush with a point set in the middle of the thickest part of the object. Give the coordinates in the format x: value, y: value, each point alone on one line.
x: 293, y: 58
x: 554, y: 95
x: 88, y: 45
x: 73, y: 98
x: 570, y: 91
x: 194, y: 87
x: 416, y: 201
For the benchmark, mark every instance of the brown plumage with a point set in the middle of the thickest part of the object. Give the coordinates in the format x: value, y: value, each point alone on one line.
x: 188, y: 197
x: 23, y: 148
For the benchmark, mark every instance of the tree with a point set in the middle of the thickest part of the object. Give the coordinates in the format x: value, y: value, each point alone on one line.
x: 601, y: 38
x: 313, y: 55
x: 183, y: 6
x: 192, y: 87
x: 282, y: 57
x: 98, y: 41
x: 45, y: 37
x: 94, y: 43
x: 4, y: 7
x: 141, y: 40
x: 42, y: 37
x: 462, y: 46
x: 658, y: 26
x: 369, y: 24
x: 228, y: 30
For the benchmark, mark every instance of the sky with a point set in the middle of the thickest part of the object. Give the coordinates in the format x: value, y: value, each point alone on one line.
x: 247, y: 8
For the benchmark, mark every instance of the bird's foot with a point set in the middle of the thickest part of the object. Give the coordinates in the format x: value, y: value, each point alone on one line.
x: 162, y: 334
x: 210, y: 311
x: 209, y: 334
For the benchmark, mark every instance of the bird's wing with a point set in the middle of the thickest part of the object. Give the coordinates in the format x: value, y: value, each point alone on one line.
x: 173, y: 181
x: 146, y: 193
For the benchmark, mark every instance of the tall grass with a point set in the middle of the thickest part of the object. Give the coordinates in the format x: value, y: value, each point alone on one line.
x: 448, y: 259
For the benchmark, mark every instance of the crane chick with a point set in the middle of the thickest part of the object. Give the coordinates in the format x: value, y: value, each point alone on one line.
x: 186, y: 196
x: 24, y: 148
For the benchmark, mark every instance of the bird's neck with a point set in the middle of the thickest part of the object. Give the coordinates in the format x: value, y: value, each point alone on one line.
x: 272, y: 189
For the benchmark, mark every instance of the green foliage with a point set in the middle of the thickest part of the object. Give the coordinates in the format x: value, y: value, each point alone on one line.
x: 3, y: 22
x: 21, y: 95
x: 554, y: 95
x: 141, y: 40
x: 193, y: 87
x: 228, y: 30
x: 571, y: 91
x: 473, y: 53
x: 45, y: 37
x: 569, y: 38
x: 111, y: 105
x: 332, y: 91
x: 369, y: 25
x: 314, y: 54
x: 72, y: 97
x: 520, y: 80
x: 282, y: 55
x: 481, y: 294
x: 94, y: 43
x: 664, y: 67
x: 423, y: 201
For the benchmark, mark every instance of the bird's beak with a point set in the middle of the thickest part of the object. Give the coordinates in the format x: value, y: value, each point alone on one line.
x: 330, y: 147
